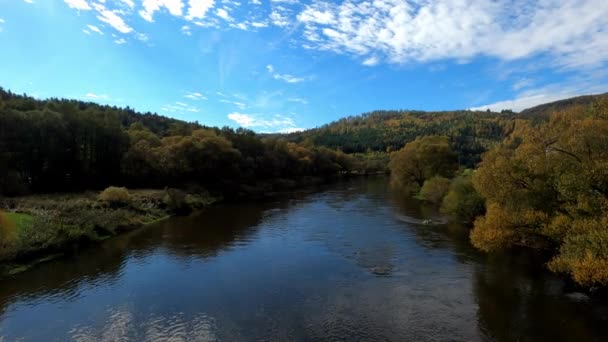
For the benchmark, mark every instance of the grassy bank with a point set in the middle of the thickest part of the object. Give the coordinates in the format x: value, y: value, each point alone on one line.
x: 34, y: 228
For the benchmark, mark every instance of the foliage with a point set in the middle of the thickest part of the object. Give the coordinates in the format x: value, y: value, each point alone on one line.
x: 462, y: 202
x: 8, y: 232
x: 434, y: 189
x: 422, y: 159
x: 549, y: 183
x: 59, y: 145
x: 469, y: 133
x: 115, y: 196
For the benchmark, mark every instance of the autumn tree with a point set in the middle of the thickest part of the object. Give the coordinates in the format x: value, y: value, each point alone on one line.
x: 549, y: 184
x: 462, y: 202
x: 422, y: 159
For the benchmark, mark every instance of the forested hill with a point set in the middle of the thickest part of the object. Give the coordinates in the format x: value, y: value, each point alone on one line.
x: 470, y: 132
x: 546, y: 109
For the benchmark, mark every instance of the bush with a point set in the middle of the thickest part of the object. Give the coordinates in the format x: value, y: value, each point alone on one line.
x: 434, y: 189
x: 8, y: 233
x: 115, y: 196
x: 462, y: 202
x: 175, y: 200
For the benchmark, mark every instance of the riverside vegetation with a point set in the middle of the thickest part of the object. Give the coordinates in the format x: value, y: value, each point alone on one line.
x: 537, y: 178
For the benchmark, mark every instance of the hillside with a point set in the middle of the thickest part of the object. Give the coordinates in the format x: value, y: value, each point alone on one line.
x: 470, y: 133
x: 546, y: 109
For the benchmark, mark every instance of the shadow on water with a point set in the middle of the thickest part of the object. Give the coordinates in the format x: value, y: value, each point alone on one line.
x: 337, y: 263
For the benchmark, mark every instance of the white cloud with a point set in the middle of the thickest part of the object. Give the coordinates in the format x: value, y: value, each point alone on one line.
x: 142, y: 37
x: 150, y: 6
x: 222, y: 13
x: 240, y: 26
x: 256, y: 2
x: 549, y: 93
x: 186, y: 30
x: 283, y: 77
x: 120, y: 41
x: 78, y: 4
x: 288, y: 78
x: 2, y: 21
x: 279, y: 19
x: 522, y: 83
x: 129, y: 3
x: 29, y: 1
x: 180, y: 107
x: 198, y: 8
x: 240, y: 105
x: 371, y: 61
x: 111, y: 18
x: 404, y: 31
x: 277, y: 123
x: 94, y: 96
x: 259, y: 24
x: 195, y: 96
x: 94, y: 29
x: 298, y: 100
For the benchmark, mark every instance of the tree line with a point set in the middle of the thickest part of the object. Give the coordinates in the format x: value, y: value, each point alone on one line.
x: 60, y: 145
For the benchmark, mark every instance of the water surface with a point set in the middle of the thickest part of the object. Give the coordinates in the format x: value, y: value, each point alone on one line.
x: 347, y: 262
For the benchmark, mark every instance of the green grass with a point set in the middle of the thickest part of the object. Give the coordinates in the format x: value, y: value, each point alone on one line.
x: 20, y: 220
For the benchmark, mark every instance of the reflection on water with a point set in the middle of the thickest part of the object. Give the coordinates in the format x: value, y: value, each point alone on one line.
x: 333, y: 264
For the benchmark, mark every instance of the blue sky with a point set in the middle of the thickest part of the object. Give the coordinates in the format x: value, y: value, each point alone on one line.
x: 284, y: 65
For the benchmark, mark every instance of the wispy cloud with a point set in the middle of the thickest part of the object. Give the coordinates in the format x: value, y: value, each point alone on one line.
x: 199, y: 8
x: 405, y: 31
x: 186, y: 30
x: 120, y: 41
x: 29, y: 1
x: 223, y: 13
x: 78, y: 4
x: 111, y: 18
x: 93, y: 28
x: 179, y: 107
x: 195, y: 96
x: 240, y: 105
x: 549, y: 93
x: 284, y: 77
x: 277, y: 123
x: 174, y: 7
x: 297, y: 99
x: 93, y: 96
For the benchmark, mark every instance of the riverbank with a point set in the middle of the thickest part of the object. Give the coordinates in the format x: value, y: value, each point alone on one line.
x: 41, y: 227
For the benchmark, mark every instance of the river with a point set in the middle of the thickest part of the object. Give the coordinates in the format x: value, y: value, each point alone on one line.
x: 346, y: 262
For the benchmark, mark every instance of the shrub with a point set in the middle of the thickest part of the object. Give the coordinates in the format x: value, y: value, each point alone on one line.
x: 434, y: 189
x: 8, y: 233
x: 462, y: 202
x: 175, y: 200
x: 115, y: 196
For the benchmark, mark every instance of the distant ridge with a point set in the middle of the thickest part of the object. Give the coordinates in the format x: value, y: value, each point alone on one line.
x: 546, y: 109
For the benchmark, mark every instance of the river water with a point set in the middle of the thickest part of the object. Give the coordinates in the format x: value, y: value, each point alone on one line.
x: 345, y: 262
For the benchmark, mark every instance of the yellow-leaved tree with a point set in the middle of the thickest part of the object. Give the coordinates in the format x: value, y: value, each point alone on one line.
x: 548, y: 184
